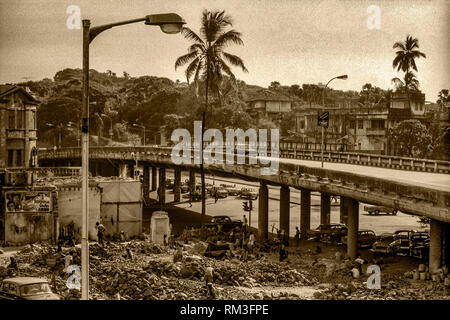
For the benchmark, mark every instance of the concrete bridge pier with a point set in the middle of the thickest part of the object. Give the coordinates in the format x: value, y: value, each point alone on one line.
x: 343, y: 210
x: 154, y: 176
x: 325, y: 208
x: 439, y: 245
x: 146, y: 185
x: 177, y: 185
x: 305, y: 212
x: 284, y: 209
x: 352, y: 225
x: 162, y: 186
x: 263, y: 212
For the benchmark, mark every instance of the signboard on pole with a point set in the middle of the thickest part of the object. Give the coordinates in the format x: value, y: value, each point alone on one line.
x: 323, y: 119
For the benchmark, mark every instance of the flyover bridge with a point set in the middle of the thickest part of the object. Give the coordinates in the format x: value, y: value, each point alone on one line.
x: 419, y: 193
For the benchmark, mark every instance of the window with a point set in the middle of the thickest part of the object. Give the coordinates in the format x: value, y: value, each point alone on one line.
x: 19, y: 120
x: 19, y: 156
x: 12, y: 119
x: 360, y: 124
x: 302, y: 124
x: 352, y: 124
x: 10, y: 158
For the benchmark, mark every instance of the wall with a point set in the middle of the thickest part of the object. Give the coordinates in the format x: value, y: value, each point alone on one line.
x: 28, y: 227
x: 69, y: 209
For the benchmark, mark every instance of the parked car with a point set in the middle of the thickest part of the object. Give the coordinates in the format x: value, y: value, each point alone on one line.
x: 382, y: 245
x: 377, y: 209
x: 419, y: 245
x: 366, y: 238
x: 401, y: 244
x: 169, y: 183
x: 26, y: 288
x: 226, y: 223
x: 248, y: 193
x: 329, y: 232
x: 232, y: 190
x: 221, y: 192
x: 184, y: 188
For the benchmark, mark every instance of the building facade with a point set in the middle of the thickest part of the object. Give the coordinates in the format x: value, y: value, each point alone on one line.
x: 18, y: 127
x: 355, y: 127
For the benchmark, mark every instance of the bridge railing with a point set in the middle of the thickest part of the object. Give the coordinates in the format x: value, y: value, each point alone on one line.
x: 393, y: 162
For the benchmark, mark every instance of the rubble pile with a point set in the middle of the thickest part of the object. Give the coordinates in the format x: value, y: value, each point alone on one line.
x: 390, y: 291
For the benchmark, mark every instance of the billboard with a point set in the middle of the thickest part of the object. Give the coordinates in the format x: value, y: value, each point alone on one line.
x: 28, y: 201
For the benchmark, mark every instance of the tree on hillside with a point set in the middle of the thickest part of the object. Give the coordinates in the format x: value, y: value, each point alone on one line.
x: 208, y: 60
x: 410, y: 139
x: 405, y: 58
x: 443, y: 97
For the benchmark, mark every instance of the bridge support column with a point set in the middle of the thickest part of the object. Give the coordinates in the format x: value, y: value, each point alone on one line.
x: 154, y: 174
x: 435, y: 244
x: 162, y: 186
x: 352, y: 225
x: 305, y: 212
x: 191, y: 184
x: 284, y: 209
x: 177, y: 185
x: 123, y: 168
x: 146, y: 185
x: 343, y: 210
x: 263, y: 212
x: 325, y: 208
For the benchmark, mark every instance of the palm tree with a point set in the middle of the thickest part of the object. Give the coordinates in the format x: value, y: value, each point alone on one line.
x: 410, y: 79
x: 405, y: 58
x: 208, y: 60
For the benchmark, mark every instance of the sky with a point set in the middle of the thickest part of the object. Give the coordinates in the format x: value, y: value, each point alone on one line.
x: 289, y: 41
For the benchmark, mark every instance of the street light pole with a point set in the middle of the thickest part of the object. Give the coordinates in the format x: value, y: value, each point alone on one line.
x: 169, y: 23
x: 343, y: 77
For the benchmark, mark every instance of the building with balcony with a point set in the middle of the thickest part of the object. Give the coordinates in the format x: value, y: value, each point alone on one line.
x: 355, y: 127
x: 266, y: 103
x: 18, y: 127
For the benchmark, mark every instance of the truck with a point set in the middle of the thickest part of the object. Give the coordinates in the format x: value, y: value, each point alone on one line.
x: 224, y: 221
x: 377, y: 209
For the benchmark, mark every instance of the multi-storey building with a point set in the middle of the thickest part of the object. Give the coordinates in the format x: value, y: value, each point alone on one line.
x: 356, y: 127
x: 18, y: 128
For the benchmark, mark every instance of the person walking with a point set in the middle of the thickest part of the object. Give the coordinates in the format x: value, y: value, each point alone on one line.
x: 251, y: 242
x: 100, y: 232
x: 297, y: 236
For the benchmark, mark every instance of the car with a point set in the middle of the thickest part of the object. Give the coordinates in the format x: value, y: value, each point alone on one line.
x: 419, y: 245
x: 26, y: 288
x: 221, y: 192
x: 184, y: 187
x: 382, y: 245
x: 226, y: 223
x: 366, y: 238
x: 401, y: 244
x: 169, y: 183
x: 232, y: 190
x: 377, y: 209
x: 248, y: 193
x: 329, y: 232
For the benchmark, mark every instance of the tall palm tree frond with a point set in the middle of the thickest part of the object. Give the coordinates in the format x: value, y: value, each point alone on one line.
x: 191, y: 35
x: 235, y: 61
x: 231, y: 36
x: 191, y: 68
x: 181, y: 61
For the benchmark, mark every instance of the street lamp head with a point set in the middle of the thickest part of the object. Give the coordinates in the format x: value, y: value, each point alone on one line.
x: 343, y: 77
x: 168, y: 22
